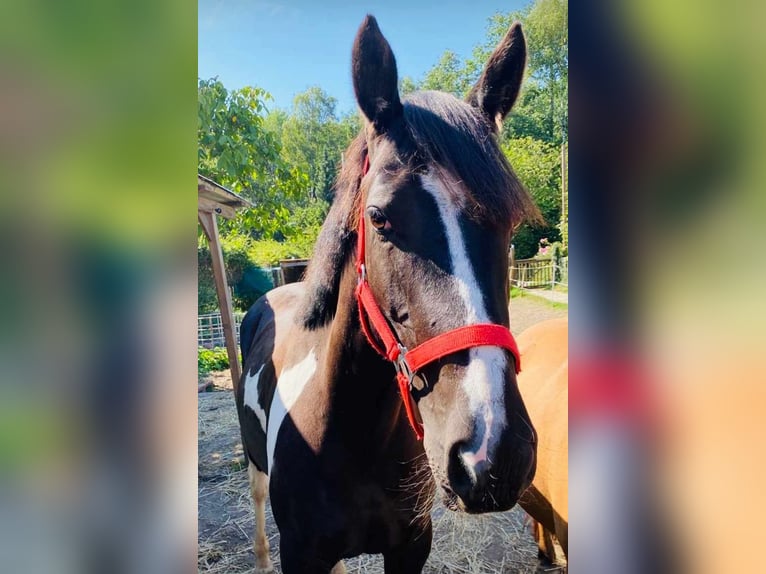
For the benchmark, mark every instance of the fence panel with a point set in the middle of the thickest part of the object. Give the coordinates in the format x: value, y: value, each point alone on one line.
x: 210, y: 329
x: 528, y: 273
x: 563, y: 278
x: 542, y: 272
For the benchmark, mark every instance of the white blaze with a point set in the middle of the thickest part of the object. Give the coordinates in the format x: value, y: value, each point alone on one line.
x: 290, y: 384
x: 484, y: 380
x: 251, y: 397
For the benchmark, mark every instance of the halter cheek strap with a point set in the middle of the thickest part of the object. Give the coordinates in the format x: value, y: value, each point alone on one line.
x: 409, y: 362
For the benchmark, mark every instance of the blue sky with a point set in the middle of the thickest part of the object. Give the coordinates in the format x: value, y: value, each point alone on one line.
x: 286, y: 46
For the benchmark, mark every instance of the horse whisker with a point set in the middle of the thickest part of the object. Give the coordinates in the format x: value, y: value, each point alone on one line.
x: 531, y: 430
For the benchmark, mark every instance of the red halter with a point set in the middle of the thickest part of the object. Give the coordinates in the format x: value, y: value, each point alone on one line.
x: 406, y: 362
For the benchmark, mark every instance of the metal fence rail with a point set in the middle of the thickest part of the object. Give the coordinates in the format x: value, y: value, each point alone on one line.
x: 209, y: 326
x: 542, y: 272
x: 210, y: 329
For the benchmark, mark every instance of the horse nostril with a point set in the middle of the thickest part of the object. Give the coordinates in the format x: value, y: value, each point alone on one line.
x: 457, y: 473
x: 467, y: 480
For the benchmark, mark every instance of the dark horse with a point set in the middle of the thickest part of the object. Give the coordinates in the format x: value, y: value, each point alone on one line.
x: 324, y: 425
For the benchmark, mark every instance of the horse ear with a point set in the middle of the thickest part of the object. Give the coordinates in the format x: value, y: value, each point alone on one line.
x: 498, y: 87
x: 373, y: 68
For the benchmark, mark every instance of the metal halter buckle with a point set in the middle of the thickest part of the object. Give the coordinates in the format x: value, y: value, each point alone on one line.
x: 402, y: 366
x: 362, y: 273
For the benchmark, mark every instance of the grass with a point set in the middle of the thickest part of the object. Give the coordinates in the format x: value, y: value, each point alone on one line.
x: 529, y: 294
x: 556, y: 305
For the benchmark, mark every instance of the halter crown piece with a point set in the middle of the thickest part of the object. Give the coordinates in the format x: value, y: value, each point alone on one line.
x: 409, y: 362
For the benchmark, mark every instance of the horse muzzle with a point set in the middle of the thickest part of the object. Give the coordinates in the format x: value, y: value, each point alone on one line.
x: 494, y: 484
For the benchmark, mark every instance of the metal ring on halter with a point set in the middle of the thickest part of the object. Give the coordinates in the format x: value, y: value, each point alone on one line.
x: 362, y: 273
x: 403, y: 366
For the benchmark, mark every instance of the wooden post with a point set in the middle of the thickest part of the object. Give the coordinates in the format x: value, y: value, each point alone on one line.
x: 513, y: 264
x: 210, y: 225
x: 565, y: 191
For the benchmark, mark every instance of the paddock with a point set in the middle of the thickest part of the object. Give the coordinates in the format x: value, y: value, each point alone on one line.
x: 463, y: 544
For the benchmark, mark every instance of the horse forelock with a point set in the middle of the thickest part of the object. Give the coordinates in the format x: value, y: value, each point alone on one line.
x: 456, y: 137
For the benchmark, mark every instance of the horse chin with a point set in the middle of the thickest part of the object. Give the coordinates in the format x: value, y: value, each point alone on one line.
x: 454, y: 503
x: 451, y: 500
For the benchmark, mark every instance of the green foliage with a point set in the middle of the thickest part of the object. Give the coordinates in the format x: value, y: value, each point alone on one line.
x: 237, y: 151
x: 268, y: 253
x: 526, y: 239
x: 448, y: 75
x: 209, y: 360
x: 537, y: 164
x: 531, y: 115
x: 407, y: 85
x: 542, y: 109
x: 285, y: 163
x: 247, y: 278
x: 247, y: 262
x: 313, y: 139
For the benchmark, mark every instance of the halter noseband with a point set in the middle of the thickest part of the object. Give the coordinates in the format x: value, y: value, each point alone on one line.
x: 409, y: 362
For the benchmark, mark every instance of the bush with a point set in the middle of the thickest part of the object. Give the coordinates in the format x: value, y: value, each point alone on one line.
x: 212, y: 360
x: 246, y: 262
x: 268, y: 253
x: 526, y: 239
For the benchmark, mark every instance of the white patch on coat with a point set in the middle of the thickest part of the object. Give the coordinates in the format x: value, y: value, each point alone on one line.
x: 290, y: 384
x: 484, y: 380
x: 251, y: 396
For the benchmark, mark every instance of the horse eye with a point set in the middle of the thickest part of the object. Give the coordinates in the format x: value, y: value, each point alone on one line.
x: 378, y: 220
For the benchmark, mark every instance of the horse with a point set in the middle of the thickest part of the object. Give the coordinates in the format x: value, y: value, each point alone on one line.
x: 544, y: 388
x: 390, y: 371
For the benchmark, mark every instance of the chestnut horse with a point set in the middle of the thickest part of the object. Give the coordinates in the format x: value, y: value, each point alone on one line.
x: 544, y: 388
x: 413, y: 255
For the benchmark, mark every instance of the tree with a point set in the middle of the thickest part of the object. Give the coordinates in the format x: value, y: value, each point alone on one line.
x: 236, y: 150
x: 542, y: 110
x: 407, y: 85
x: 448, y: 75
x: 537, y: 164
x: 313, y: 139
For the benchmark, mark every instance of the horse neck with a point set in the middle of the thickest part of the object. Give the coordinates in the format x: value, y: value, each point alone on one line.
x: 364, y: 394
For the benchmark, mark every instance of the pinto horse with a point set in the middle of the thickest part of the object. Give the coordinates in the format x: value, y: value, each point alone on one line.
x: 390, y: 370
x: 544, y: 388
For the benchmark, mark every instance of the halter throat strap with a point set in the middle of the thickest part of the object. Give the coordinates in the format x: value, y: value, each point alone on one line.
x: 409, y: 362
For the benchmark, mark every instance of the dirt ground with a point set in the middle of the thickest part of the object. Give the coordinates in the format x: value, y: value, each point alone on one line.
x: 463, y: 544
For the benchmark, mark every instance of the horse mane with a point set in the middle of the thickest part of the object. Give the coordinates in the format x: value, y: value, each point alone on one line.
x: 336, y: 240
x: 438, y: 129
